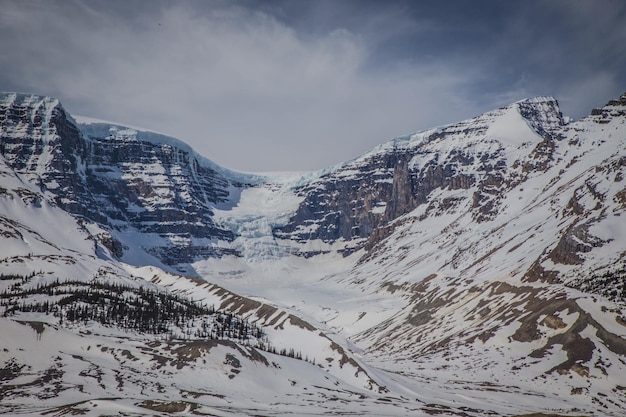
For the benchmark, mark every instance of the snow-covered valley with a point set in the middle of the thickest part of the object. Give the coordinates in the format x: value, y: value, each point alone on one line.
x: 473, y: 269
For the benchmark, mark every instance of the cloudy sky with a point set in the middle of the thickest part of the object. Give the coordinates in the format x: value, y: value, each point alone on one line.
x: 305, y: 84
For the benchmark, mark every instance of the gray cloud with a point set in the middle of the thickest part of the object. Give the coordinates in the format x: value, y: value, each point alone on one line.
x: 271, y: 86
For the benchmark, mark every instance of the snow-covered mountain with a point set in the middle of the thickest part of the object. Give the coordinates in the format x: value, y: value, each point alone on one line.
x: 472, y: 269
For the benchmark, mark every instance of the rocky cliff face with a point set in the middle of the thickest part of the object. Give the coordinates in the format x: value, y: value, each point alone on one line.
x: 126, y: 180
x: 357, y: 199
x: 157, y: 189
x: 40, y: 143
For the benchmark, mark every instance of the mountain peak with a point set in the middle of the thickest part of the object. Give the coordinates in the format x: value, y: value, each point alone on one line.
x: 543, y: 113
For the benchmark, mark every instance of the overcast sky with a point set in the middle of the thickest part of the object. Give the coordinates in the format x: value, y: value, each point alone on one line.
x: 303, y: 85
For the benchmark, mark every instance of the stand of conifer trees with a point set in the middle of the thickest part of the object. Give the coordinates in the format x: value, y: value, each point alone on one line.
x: 139, y: 309
x: 131, y: 308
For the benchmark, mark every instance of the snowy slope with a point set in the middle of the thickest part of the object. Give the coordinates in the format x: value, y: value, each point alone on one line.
x: 467, y: 244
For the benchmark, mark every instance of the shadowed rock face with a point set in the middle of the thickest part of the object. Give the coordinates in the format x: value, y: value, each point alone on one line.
x: 379, y: 190
x: 162, y: 189
x: 116, y: 180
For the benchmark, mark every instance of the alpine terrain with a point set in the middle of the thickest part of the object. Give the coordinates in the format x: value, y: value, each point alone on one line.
x: 474, y: 269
